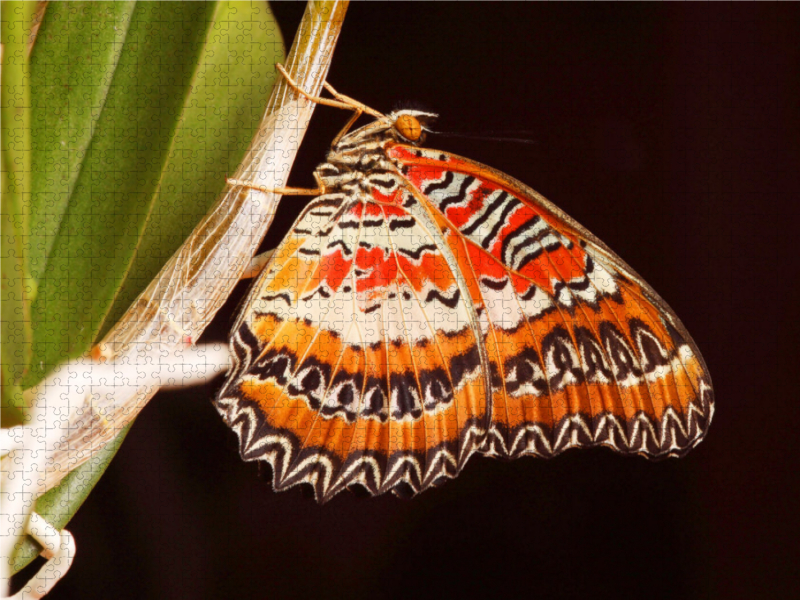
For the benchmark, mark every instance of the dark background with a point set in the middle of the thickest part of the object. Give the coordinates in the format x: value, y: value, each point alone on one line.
x: 671, y: 132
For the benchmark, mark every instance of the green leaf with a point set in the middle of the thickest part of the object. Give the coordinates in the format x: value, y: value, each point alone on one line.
x: 139, y: 111
x: 105, y: 212
x: 76, y: 52
x: 60, y: 504
x: 229, y: 92
x: 190, y: 83
x: 16, y: 286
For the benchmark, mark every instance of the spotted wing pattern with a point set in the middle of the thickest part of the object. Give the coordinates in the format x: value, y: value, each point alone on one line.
x: 425, y: 313
x: 582, y: 352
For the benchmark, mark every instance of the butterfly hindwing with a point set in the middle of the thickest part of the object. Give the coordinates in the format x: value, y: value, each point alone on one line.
x: 357, y: 355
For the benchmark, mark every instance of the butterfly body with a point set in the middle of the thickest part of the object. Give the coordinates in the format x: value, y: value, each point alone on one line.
x: 425, y: 307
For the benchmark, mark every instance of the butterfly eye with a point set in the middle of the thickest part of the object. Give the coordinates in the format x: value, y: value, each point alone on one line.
x: 409, y: 127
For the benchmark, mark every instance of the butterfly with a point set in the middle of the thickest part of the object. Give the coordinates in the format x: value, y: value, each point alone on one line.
x: 424, y: 308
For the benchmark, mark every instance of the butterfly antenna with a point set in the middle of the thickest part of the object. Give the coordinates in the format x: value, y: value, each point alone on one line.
x: 488, y: 138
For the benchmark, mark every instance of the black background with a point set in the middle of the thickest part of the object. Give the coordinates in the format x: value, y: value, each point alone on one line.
x: 671, y: 132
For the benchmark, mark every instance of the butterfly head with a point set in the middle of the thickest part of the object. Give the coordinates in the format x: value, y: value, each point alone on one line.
x: 401, y: 126
x: 411, y: 125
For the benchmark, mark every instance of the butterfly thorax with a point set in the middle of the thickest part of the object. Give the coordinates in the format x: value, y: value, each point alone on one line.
x: 359, y: 163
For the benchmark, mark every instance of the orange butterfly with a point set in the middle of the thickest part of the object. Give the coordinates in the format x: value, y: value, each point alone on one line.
x: 425, y: 307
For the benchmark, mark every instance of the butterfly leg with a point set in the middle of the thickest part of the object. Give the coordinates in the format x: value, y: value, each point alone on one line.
x: 351, y: 101
x: 358, y: 111
x: 347, y: 127
x: 285, y: 191
x: 260, y: 261
x: 342, y: 101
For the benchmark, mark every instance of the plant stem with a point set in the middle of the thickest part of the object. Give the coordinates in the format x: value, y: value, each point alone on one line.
x: 196, y: 281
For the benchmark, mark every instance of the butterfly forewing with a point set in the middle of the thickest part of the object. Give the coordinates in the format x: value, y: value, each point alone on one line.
x: 429, y: 307
x: 582, y: 351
